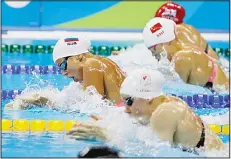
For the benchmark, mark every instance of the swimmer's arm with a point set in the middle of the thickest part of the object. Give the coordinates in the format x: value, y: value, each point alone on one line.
x: 93, y: 76
x: 22, y: 102
x: 35, y: 99
x: 164, y: 121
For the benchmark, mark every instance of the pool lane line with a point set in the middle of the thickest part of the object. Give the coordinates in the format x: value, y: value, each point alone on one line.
x: 26, y: 69
x: 36, y: 125
x: 198, y: 101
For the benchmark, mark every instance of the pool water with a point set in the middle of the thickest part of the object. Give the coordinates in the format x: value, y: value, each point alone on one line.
x: 57, y: 144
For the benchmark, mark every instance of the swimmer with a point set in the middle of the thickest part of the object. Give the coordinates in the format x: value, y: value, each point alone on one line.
x: 185, y: 33
x: 192, y: 64
x: 99, y: 152
x: 170, y: 118
x: 74, y: 59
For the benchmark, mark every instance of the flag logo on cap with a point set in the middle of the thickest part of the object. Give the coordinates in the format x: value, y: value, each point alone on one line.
x: 71, y: 40
x: 155, y: 27
x: 145, y: 80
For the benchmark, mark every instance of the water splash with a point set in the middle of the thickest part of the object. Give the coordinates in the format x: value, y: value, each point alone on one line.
x: 216, y: 119
x: 139, y: 56
x: 224, y: 64
x: 124, y: 132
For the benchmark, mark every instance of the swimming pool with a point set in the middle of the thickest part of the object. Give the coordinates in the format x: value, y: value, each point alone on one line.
x: 48, y: 144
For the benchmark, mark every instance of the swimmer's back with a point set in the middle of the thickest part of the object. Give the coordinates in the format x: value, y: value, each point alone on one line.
x: 113, y: 78
x: 189, y: 35
x: 197, y: 66
x: 189, y: 128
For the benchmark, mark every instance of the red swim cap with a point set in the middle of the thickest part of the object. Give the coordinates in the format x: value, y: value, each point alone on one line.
x: 171, y: 10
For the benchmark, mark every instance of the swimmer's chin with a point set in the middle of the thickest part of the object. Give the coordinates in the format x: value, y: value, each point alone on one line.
x: 76, y: 80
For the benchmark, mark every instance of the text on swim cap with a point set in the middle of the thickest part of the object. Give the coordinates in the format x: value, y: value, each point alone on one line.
x: 169, y: 12
x: 143, y: 90
x: 73, y: 43
x: 160, y: 33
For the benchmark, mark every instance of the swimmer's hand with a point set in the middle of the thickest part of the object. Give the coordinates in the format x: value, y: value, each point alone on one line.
x: 87, y: 131
x: 17, y: 104
x: 35, y: 99
x: 22, y: 102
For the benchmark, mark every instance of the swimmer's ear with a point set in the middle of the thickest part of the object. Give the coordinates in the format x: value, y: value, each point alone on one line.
x: 150, y: 101
x: 81, y: 57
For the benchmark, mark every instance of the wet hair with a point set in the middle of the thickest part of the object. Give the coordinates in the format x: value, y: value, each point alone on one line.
x: 99, y: 152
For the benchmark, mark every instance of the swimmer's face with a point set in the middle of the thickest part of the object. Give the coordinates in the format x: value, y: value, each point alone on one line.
x: 128, y: 101
x: 158, y: 49
x: 71, y: 67
x: 134, y: 106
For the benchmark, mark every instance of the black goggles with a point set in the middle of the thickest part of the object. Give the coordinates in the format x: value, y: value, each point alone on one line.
x: 129, y: 101
x: 63, y: 65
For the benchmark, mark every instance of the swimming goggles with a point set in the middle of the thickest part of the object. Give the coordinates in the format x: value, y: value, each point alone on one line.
x: 63, y: 65
x: 129, y: 101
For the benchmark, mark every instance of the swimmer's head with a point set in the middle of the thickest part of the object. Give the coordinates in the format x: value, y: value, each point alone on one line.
x: 99, y: 152
x: 69, y: 54
x: 158, y: 33
x: 143, y: 83
x: 171, y: 10
x: 140, y: 87
x: 70, y: 46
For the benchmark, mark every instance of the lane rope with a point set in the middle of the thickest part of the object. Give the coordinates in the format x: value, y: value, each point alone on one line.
x: 26, y: 69
x: 36, y: 125
x: 198, y: 101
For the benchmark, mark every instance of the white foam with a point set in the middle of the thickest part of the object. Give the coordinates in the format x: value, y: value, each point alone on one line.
x: 219, y: 119
x: 225, y: 65
x: 139, y: 56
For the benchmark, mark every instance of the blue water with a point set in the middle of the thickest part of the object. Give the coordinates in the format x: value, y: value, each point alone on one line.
x: 56, y: 145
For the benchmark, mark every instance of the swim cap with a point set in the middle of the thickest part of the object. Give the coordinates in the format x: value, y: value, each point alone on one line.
x: 70, y: 46
x: 159, y: 30
x: 171, y: 10
x: 143, y: 83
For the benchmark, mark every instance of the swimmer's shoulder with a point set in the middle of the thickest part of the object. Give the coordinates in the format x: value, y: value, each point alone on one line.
x: 172, y: 108
x: 186, y: 51
x: 177, y: 101
x: 189, y: 50
x: 93, y: 62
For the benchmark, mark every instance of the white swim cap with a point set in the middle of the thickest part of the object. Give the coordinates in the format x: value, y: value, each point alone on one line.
x: 70, y: 46
x: 143, y: 83
x: 159, y: 30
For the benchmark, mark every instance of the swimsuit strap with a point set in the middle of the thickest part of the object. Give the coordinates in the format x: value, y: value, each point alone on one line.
x: 202, y: 138
x: 214, y: 72
x: 206, y: 48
